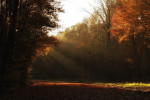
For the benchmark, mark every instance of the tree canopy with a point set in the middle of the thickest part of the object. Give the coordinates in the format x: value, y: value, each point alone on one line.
x: 24, y: 34
x: 113, y: 44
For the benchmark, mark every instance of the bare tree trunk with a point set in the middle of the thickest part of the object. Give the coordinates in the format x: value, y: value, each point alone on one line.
x: 9, y: 50
x: 3, y: 35
x: 135, y: 56
x: 110, y: 49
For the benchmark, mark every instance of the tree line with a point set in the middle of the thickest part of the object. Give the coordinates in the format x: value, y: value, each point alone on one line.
x: 113, y: 44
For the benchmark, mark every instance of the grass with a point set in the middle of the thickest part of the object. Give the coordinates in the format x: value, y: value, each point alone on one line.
x: 46, y: 90
x: 144, y: 87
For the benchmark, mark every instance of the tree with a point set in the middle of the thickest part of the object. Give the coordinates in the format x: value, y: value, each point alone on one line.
x: 24, y: 33
x: 131, y: 22
x: 103, y: 14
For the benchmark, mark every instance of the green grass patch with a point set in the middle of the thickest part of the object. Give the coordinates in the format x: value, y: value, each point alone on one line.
x: 145, y: 87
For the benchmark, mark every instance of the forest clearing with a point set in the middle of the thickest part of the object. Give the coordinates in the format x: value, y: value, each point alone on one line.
x: 88, y: 49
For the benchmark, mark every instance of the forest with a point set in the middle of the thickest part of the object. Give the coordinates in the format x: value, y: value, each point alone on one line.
x: 112, y: 45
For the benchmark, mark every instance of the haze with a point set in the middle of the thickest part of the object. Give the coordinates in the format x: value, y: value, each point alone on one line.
x: 75, y: 12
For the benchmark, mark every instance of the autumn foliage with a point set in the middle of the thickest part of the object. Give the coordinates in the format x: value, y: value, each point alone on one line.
x: 24, y: 35
x: 113, y: 44
x: 131, y: 17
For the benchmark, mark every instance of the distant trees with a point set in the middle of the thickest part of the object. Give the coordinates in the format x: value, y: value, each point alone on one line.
x: 111, y: 45
x: 24, y: 34
x: 102, y: 15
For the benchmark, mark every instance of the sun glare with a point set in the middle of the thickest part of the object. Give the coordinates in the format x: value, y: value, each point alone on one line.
x: 75, y: 11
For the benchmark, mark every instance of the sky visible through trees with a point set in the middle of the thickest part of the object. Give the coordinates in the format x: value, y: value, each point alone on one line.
x: 74, y: 12
x: 112, y: 45
x: 102, y: 40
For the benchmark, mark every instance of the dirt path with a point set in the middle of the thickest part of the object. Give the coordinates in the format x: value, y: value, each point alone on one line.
x: 73, y: 91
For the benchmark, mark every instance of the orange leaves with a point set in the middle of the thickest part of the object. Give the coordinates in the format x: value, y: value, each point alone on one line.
x: 130, y: 15
x: 129, y: 60
x: 121, y: 38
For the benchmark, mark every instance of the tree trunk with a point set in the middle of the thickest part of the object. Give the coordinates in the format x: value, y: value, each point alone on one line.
x: 135, y: 56
x: 10, y: 44
x: 109, y: 50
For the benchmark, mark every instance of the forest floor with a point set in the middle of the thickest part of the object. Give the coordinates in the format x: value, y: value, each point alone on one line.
x: 44, y: 90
